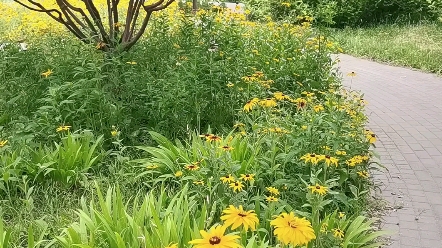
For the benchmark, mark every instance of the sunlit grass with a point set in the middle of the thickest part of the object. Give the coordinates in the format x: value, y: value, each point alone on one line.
x: 416, y: 46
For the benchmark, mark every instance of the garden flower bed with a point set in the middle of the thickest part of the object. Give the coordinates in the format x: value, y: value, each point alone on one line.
x: 213, y: 131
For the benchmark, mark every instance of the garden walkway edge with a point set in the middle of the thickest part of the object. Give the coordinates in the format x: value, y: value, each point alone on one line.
x: 405, y: 111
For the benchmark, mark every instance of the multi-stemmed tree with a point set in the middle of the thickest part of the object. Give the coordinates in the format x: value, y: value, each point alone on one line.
x: 89, y: 26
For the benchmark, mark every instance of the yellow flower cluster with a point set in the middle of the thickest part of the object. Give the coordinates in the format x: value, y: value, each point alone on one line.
x: 288, y: 228
x: 358, y: 159
x: 314, y: 159
x: 237, y: 185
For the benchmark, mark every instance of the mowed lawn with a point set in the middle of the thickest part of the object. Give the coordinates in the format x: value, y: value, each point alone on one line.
x: 417, y: 46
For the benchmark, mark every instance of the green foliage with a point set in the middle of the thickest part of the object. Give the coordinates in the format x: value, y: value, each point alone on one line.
x: 297, y: 144
x: 70, y: 159
x: 342, y: 13
x: 147, y: 221
x: 65, y: 162
x: 171, y: 85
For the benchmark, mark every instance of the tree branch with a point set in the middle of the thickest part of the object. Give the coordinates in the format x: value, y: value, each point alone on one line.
x: 138, y: 4
x: 152, y: 6
x: 97, y: 19
x: 58, y: 18
x: 129, y: 16
x: 163, y: 6
x: 128, y: 45
x: 86, y: 19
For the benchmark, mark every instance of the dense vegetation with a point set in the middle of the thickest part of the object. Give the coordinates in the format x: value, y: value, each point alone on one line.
x: 353, y: 13
x: 211, y: 122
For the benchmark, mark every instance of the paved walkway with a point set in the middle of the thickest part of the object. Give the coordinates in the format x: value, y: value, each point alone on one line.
x: 405, y: 112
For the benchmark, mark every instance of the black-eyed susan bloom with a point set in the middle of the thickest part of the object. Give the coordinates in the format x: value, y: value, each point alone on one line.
x: 341, y: 215
x: 300, y: 102
x: 273, y: 190
x: 247, y: 177
x: 311, y: 158
x: 280, y: 96
x: 329, y: 160
x: 338, y: 233
x: 371, y: 138
x: 192, y: 167
x: 290, y: 229
x: 213, y: 137
x: 271, y: 199
x: 322, y: 190
x: 250, y: 104
x: 216, y: 238
x: 268, y: 102
x: 318, y: 108
x: 226, y: 148
x: 178, y: 174
x: 228, y: 179
x: 351, y: 74
x: 236, y: 186
x: 236, y: 217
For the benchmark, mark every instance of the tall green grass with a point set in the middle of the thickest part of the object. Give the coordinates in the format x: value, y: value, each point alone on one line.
x: 417, y: 46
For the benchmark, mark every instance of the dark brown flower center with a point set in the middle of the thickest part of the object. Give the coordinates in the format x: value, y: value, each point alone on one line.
x: 318, y: 187
x: 242, y: 214
x: 292, y: 224
x: 227, y: 177
x: 268, y: 99
x: 312, y: 155
x: 373, y: 135
x: 236, y: 184
x: 214, y: 240
x: 247, y: 175
x: 327, y: 156
x: 302, y: 104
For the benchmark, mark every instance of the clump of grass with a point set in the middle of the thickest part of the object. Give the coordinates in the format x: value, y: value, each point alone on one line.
x: 416, y: 46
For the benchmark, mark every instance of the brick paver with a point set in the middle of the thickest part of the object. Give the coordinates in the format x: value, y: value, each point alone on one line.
x: 405, y: 111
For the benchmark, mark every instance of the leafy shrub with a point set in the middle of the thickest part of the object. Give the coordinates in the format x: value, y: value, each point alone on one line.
x: 69, y: 160
x: 147, y: 221
x: 66, y: 162
x: 173, y: 84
